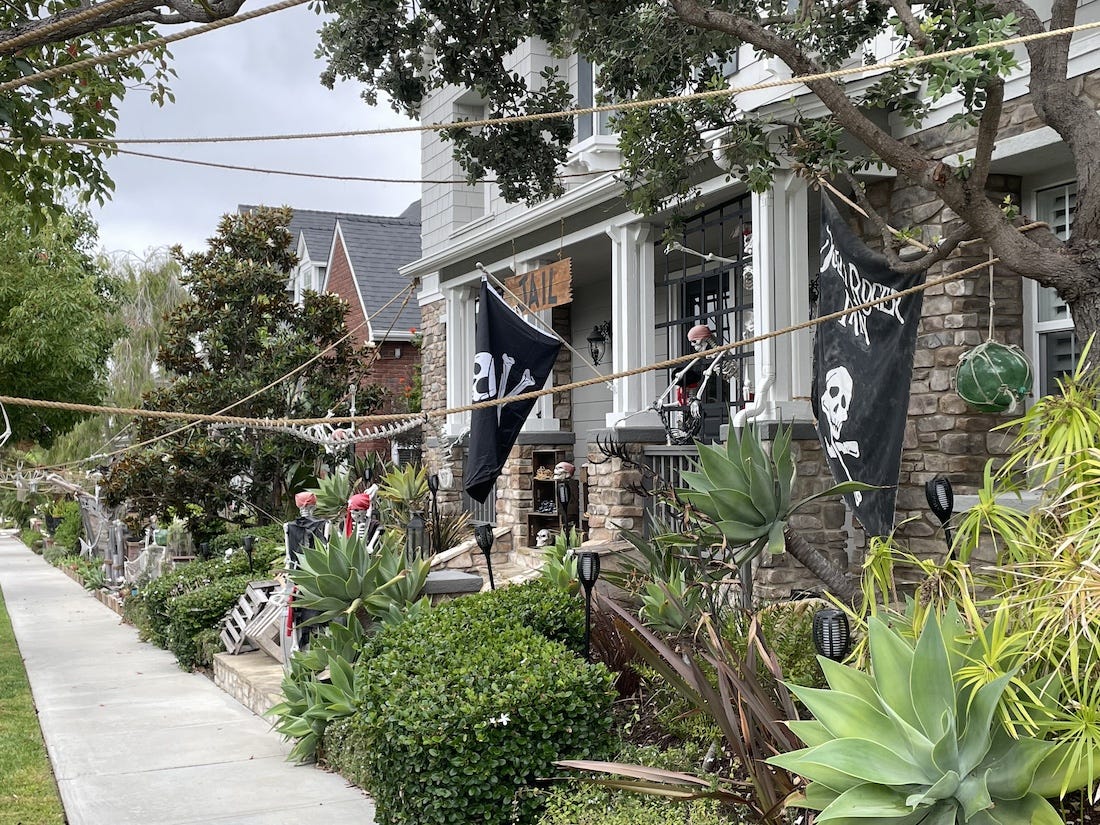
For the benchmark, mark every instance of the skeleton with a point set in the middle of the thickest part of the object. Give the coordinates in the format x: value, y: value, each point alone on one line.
x: 543, y: 538
x: 701, y: 338
x: 563, y: 471
x: 835, y: 402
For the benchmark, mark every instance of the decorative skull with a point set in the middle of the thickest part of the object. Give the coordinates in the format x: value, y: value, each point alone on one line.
x: 836, y: 399
x: 543, y: 538
x: 563, y: 471
x: 701, y: 337
x: 485, y: 377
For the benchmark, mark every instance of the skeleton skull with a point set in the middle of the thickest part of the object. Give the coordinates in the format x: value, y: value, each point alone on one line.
x: 836, y: 399
x: 701, y: 337
x: 563, y: 471
x: 543, y: 538
x: 485, y: 377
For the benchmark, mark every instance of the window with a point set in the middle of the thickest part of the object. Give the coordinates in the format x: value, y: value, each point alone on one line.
x: 1056, y: 347
x: 710, y: 282
x: 589, y: 125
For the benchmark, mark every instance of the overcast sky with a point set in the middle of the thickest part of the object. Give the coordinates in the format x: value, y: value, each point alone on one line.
x: 256, y: 77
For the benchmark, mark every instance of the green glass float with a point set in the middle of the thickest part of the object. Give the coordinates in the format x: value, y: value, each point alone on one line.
x: 993, y: 377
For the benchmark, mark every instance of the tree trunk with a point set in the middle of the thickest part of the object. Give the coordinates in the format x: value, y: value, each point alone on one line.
x: 821, y: 566
x: 1084, y: 308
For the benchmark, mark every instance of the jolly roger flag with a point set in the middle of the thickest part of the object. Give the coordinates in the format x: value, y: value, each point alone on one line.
x: 863, y: 364
x: 513, y: 357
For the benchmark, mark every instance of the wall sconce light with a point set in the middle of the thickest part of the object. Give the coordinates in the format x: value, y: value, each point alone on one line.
x: 598, y: 340
x: 483, y: 534
x: 588, y: 571
x: 415, y: 538
x: 832, y: 636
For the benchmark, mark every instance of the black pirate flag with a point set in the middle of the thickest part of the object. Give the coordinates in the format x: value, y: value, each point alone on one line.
x: 863, y: 363
x: 513, y: 357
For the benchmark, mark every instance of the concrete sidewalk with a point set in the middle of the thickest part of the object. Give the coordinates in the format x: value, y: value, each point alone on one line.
x: 136, y: 741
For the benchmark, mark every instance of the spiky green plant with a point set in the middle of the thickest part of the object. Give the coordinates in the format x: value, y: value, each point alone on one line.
x: 341, y: 578
x: 910, y: 742
x: 310, y: 705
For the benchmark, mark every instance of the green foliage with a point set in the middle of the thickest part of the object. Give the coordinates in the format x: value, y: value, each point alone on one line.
x: 310, y: 705
x: 238, y: 331
x: 345, y: 745
x: 559, y: 561
x: 77, y: 105
x: 911, y: 739
x: 31, y: 537
x: 197, y: 610
x: 71, y: 526
x: 788, y: 628
x: 537, y: 605
x: 588, y: 804
x: 341, y: 578
x: 57, y: 322
x: 403, y: 489
x: 515, y: 702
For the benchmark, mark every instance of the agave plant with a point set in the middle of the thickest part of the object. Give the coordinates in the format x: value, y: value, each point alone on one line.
x: 745, y: 493
x: 910, y: 742
x: 342, y: 578
x: 310, y: 705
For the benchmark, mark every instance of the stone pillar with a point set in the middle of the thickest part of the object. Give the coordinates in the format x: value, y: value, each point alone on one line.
x: 632, y: 313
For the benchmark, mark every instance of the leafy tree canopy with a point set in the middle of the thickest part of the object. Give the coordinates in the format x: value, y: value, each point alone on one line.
x: 81, y: 104
x: 239, y: 331
x: 656, y: 48
x: 57, y: 322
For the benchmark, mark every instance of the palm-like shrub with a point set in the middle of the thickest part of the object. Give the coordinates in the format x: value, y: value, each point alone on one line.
x: 914, y: 741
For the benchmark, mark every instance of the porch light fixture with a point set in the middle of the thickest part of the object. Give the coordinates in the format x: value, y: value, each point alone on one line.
x: 588, y: 570
x: 941, y: 501
x: 415, y: 536
x: 484, y: 536
x: 597, y: 342
x: 832, y: 636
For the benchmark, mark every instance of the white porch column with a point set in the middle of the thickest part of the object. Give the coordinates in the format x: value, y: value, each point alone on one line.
x: 459, y: 316
x: 632, y: 325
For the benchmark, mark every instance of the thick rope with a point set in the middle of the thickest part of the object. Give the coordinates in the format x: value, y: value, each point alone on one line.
x: 35, y: 35
x: 430, y: 414
x: 623, y: 106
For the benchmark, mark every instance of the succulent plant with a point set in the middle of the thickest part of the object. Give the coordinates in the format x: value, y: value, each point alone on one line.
x: 911, y: 743
x: 746, y: 493
x: 342, y: 577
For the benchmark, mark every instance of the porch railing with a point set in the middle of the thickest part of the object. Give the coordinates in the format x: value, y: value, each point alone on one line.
x: 669, y: 463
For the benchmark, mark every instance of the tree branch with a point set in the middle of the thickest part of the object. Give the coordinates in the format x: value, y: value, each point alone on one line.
x: 987, y: 134
x: 905, y: 13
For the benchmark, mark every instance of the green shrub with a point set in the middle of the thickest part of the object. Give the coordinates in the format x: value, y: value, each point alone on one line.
x: 538, y: 604
x: 200, y: 609
x: 31, y: 538
x: 345, y: 747
x: 582, y: 803
x: 457, y: 715
x: 69, y: 530
x: 266, y: 536
x: 159, y: 593
x: 788, y: 629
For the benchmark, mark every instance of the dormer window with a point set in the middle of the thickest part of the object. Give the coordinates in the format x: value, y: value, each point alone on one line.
x: 589, y: 125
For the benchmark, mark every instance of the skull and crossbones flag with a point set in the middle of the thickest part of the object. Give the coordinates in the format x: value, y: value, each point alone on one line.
x: 863, y: 363
x: 513, y: 357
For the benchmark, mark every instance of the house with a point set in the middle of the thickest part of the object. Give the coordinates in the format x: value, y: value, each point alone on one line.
x: 742, y: 263
x: 358, y: 257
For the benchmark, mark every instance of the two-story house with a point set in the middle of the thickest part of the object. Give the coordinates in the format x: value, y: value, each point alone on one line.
x: 743, y: 263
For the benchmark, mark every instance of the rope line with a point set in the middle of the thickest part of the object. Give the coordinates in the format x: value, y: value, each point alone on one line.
x: 623, y: 106
x: 430, y: 414
x: 148, y: 45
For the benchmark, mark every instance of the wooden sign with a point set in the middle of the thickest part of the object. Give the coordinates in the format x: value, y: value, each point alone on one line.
x: 545, y: 287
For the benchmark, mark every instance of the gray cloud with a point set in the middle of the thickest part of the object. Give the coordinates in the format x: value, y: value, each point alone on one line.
x: 256, y: 77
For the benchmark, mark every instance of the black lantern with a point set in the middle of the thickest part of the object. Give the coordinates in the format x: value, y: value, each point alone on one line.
x: 204, y: 549
x: 832, y: 636
x: 588, y: 570
x: 941, y: 501
x: 563, y: 495
x: 597, y: 342
x: 484, y: 536
x: 249, y: 543
x: 415, y: 535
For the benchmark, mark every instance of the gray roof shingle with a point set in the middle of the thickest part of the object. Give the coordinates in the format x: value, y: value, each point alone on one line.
x: 376, y: 247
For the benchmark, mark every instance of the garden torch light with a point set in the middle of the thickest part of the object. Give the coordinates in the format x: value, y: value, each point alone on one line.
x: 832, y: 635
x: 433, y: 488
x: 483, y: 535
x: 941, y: 500
x: 249, y: 543
x: 588, y: 570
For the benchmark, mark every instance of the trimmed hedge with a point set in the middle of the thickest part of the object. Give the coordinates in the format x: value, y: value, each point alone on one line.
x: 199, y: 610
x: 68, y: 531
x: 465, y: 706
